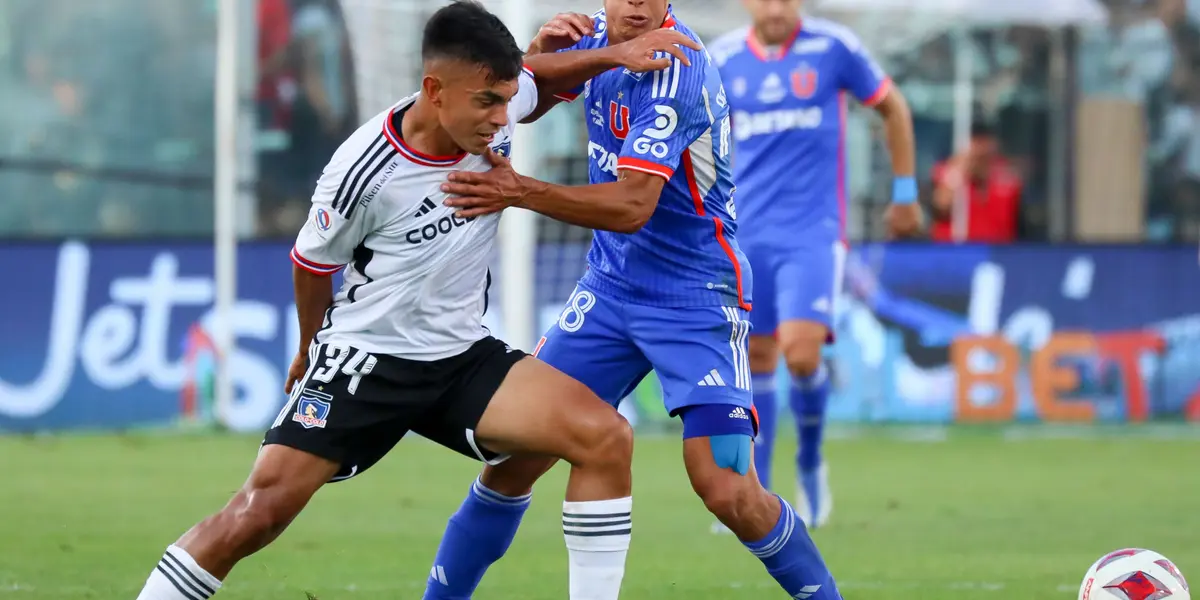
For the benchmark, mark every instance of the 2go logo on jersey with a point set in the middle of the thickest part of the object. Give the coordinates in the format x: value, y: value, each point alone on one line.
x: 652, y: 139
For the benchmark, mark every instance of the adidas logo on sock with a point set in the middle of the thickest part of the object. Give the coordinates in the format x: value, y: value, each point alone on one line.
x: 807, y: 592
x: 713, y: 379
x: 426, y: 206
x: 438, y: 574
x: 739, y: 413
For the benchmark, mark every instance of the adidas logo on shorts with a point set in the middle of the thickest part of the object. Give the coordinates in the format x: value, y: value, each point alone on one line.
x: 739, y: 413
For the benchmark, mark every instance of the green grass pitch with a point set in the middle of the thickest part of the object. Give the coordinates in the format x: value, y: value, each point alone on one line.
x: 973, y: 514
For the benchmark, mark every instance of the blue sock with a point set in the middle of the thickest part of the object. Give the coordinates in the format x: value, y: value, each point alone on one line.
x: 808, y: 398
x: 793, y: 560
x: 477, y: 536
x: 768, y: 407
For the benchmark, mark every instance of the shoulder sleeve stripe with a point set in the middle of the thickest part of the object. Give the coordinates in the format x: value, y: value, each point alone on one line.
x: 645, y: 166
x: 341, y: 193
x: 881, y: 92
x: 373, y: 165
x: 379, y: 165
x: 313, y: 267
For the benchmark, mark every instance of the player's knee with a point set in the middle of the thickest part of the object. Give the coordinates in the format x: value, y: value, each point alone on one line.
x: 726, y: 495
x: 803, y: 359
x: 256, y: 515
x: 764, y: 354
x: 614, y: 442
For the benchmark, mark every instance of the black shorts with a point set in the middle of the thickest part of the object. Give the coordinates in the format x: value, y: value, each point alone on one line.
x: 352, y: 407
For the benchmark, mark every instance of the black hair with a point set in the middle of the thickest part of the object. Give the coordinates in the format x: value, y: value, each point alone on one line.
x: 982, y: 129
x: 466, y: 31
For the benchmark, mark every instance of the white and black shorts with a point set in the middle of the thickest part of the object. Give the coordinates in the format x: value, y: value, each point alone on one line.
x: 352, y: 407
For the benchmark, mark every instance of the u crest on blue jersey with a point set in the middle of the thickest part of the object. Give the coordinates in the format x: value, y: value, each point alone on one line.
x: 618, y: 119
x: 804, y: 81
x: 312, y: 409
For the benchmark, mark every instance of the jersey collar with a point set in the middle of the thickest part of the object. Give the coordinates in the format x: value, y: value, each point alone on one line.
x: 669, y: 22
x: 762, y: 53
x: 425, y: 160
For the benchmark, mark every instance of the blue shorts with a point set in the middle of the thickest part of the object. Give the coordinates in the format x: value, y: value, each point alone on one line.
x: 798, y: 284
x: 698, y: 353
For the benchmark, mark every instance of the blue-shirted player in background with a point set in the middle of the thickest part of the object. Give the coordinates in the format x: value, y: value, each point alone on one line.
x: 667, y: 289
x: 787, y: 79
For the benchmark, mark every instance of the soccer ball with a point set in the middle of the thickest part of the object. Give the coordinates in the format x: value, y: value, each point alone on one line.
x: 1134, y: 574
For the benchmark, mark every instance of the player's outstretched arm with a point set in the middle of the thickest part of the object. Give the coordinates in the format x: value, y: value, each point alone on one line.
x: 560, y: 72
x: 623, y: 206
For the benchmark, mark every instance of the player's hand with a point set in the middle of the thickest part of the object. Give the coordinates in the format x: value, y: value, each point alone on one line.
x: 561, y: 32
x: 638, y: 55
x: 296, y: 371
x: 475, y: 194
x: 903, y: 220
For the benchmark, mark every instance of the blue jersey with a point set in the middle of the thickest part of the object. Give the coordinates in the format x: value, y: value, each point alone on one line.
x: 673, y: 124
x: 789, y: 129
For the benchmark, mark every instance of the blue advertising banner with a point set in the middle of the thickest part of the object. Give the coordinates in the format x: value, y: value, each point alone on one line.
x: 114, y: 335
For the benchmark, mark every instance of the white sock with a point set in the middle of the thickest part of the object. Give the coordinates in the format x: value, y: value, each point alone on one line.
x: 178, y: 577
x: 597, y: 535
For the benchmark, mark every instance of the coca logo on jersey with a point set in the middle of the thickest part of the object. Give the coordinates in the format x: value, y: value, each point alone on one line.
x: 618, y: 119
x: 804, y: 82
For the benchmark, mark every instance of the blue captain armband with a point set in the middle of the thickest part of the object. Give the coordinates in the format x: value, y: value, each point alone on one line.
x: 904, y: 190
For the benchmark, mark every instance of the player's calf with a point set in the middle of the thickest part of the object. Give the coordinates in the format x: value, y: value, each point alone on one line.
x: 801, y: 343
x: 283, y: 481
x: 540, y: 415
x: 718, y: 458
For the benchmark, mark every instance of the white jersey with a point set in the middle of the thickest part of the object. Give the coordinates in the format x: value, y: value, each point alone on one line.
x: 416, y: 277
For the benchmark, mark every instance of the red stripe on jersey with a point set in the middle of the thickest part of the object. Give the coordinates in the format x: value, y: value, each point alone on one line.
x: 315, y: 268
x: 645, y: 166
x: 698, y: 200
x: 881, y: 92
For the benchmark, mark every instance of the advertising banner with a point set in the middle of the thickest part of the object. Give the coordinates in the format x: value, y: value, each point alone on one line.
x: 115, y: 335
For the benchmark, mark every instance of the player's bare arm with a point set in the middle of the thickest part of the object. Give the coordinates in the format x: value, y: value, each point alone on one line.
x: 903, y: 216
x: 314, y: 296
x: 560, y: 72
x: 623, y: 206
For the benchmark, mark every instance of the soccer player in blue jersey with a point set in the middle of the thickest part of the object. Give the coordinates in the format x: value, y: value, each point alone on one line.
x: 667, y: 289
x: 787, y: 80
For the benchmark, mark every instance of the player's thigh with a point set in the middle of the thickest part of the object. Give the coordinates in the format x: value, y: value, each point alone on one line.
x: 808, y: 283
x: 504, y: 402
x: 700, y: 354
x: 284, y: 479
x: 350, y: 408
x: 590, y: 342
x: 765, y: 314
x: 539, y: 410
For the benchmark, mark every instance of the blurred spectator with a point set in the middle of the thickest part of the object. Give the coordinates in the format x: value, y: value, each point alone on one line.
x: 993, y: 191
x: 316, y: 106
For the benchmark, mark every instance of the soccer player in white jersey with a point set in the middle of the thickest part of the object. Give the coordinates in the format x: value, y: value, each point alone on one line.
x: 401, y: 346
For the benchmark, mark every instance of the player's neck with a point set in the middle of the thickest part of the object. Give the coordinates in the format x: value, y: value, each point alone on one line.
x: 423, y: 132
x: 767, y: 42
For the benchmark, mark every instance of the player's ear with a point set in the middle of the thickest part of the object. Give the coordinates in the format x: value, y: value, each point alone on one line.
x: 431, y: 88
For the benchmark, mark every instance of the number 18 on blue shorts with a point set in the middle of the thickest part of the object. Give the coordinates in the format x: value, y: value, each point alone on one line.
x: 699, y: 354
